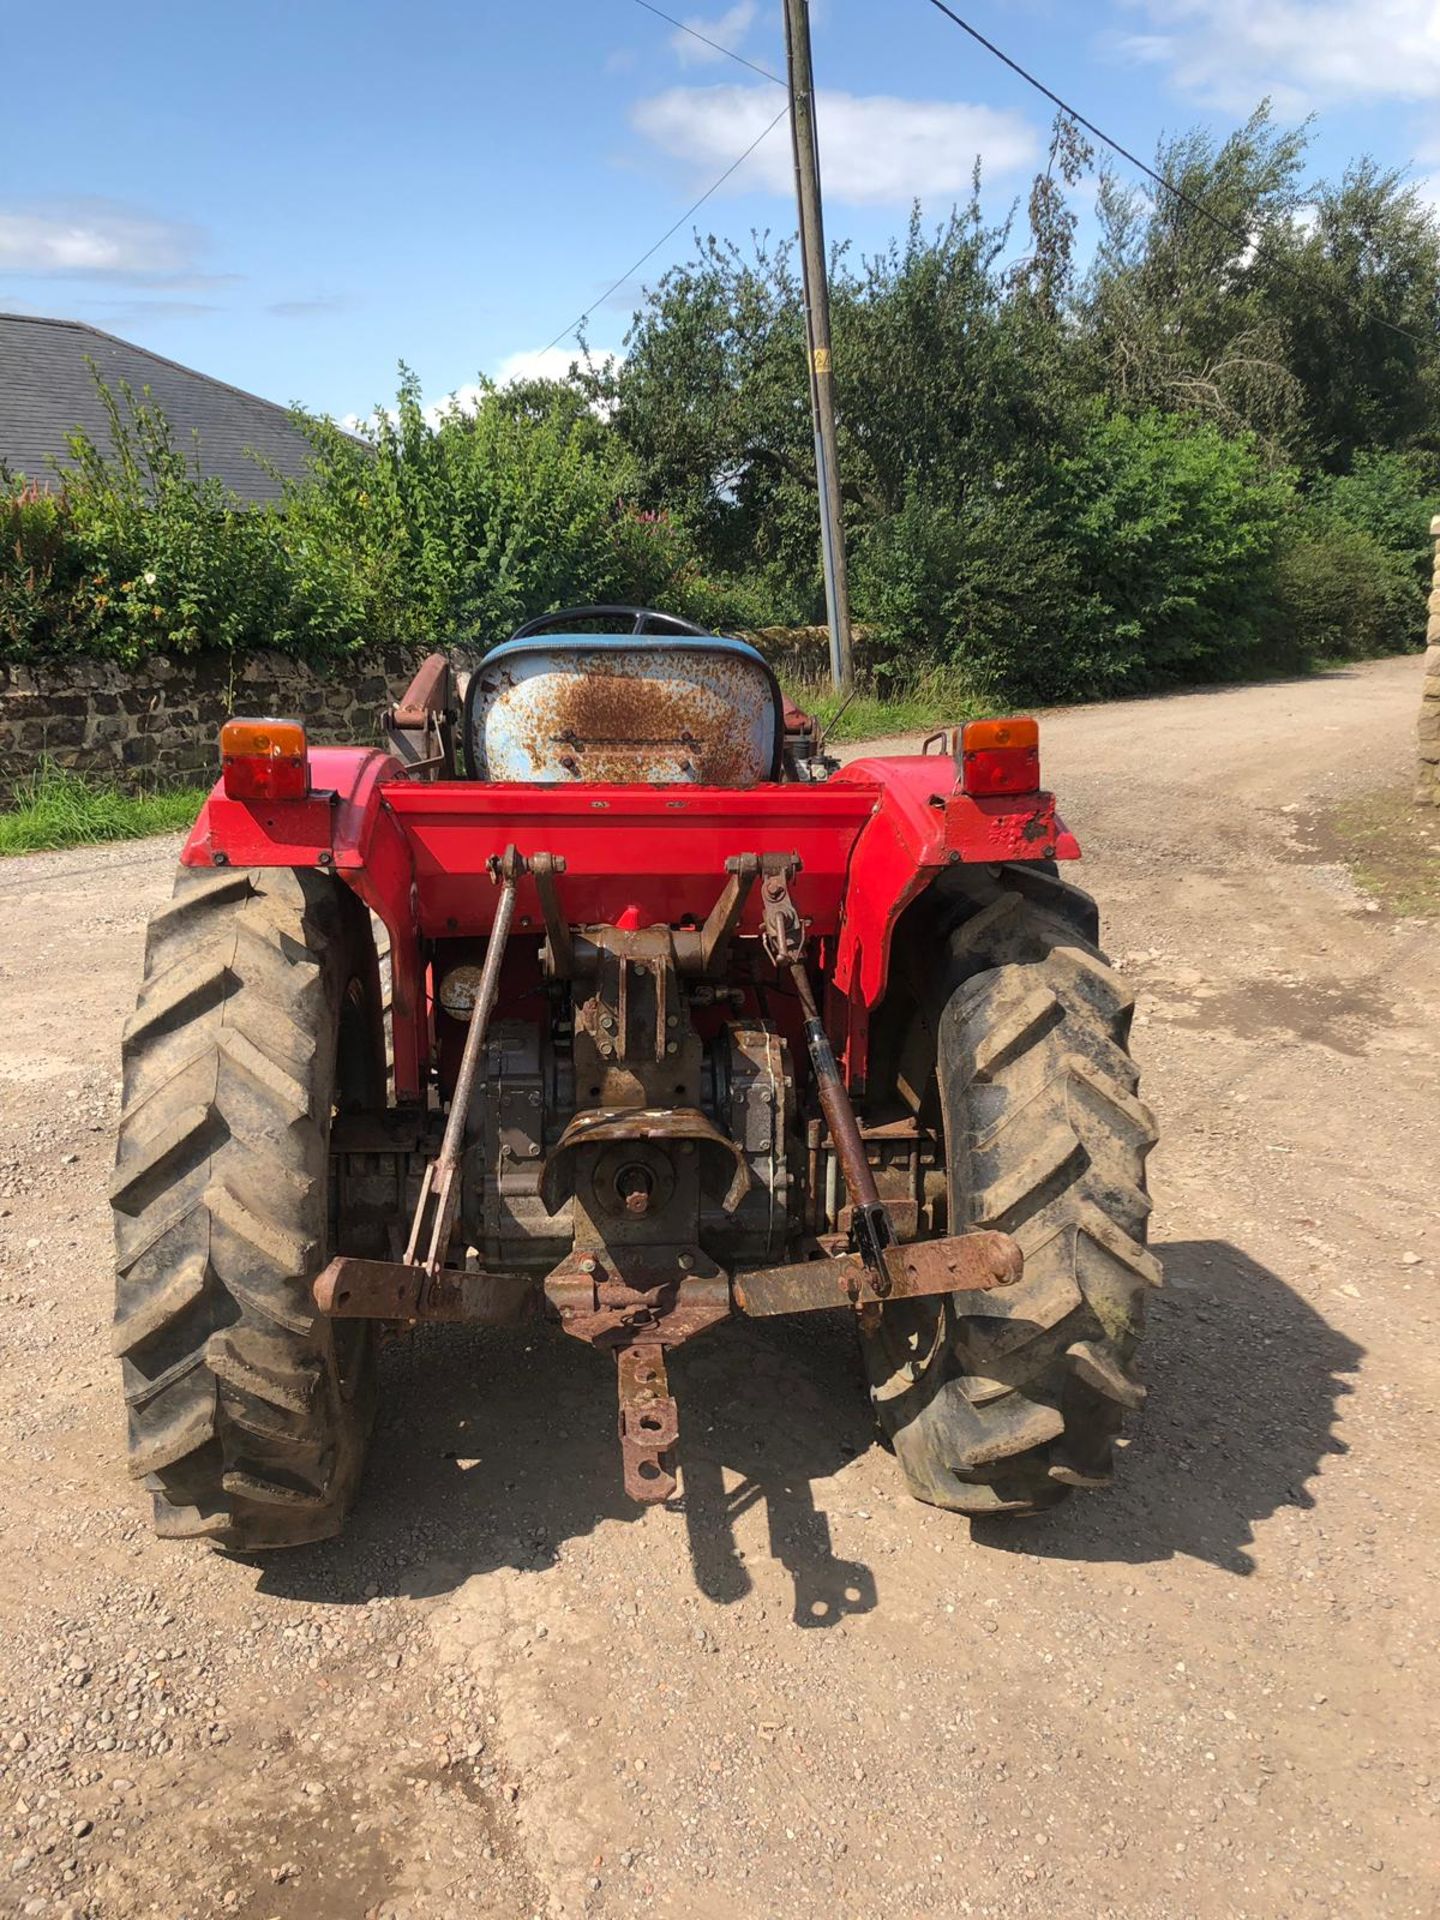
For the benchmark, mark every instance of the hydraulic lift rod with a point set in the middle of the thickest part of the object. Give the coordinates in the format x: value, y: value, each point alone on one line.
x: 870, y: 1225
x: 441, y: 1184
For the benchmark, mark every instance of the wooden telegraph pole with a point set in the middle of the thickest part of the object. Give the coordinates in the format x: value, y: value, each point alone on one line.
x: 816, y: 285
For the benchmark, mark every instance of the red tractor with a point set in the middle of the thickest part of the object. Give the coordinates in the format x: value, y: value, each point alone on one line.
x: 684, y: 1021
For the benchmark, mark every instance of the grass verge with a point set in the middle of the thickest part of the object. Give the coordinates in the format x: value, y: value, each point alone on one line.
x: 934, y: 699
x: 1392, y: 848
x: 57, y: 808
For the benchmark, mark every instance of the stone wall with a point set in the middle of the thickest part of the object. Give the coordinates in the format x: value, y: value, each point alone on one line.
x: 1428, y: 789
x: 801, y: 655
x: 158, y: 724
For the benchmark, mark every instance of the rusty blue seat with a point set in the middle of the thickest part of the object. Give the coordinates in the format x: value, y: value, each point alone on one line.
x: 663, y: 704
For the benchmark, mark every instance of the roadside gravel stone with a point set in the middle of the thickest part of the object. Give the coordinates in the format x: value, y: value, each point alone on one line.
x: 792, y: 1691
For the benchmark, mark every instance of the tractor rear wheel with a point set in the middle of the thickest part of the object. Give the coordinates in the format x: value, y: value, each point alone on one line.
x: 258, y: 1016
x: 1001, y: 1402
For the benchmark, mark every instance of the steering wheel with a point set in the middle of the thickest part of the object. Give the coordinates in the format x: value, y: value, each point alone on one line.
x: 642, y: 620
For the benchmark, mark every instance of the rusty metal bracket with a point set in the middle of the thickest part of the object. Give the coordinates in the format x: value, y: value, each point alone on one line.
x: 420, y: 727
x: 544, y: 868
x: 782, y: 931
x: 667, y: 1295
x: 600, y: 1126
x: 655, y: 1299
x: 963, y: 1263
x: 724, y: 917
x: 351, y: 1289
x: 659, y: 1298
x: 649, y: 1423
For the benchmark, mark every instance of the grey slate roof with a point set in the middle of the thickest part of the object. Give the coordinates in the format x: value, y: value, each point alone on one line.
x: 47, y: 390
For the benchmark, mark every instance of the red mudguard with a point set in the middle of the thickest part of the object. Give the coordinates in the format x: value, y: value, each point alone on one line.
x: 869, y: 840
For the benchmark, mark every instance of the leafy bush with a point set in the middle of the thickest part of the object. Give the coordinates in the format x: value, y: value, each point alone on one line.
x: 461, y: 529
x: 45, y: 609
x: 1389, y: 496
x: 169, y: 563
x: 984, y: 589
x: 1340, y: 595
x: 1352, y: 577
x: 1174, y: 528
x: 1141, y: 558
x: 903, y: 577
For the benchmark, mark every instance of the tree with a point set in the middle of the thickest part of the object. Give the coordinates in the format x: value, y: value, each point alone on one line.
x: 1358, y: 290
x: 1179, y: 299
x: 712, y: 403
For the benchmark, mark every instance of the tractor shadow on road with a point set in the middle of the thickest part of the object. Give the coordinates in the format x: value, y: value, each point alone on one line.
x: 804, y: 1412
x: 1245, y: 1379
x: 494, y: 1449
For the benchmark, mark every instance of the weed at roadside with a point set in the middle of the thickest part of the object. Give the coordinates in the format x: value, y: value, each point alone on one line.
x: 57, y: 808
x: 938, y: 698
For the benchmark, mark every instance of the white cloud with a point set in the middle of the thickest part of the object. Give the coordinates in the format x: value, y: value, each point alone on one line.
x: 875, y: 149
x: 314, y: 307
x: 94, y: 237
x: 547, y: 363
x: 728, y: 31
x: 530, y: 363
x: 1301, y: 52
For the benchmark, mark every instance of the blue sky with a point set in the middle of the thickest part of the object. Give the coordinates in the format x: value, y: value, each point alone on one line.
x: 294, y: 194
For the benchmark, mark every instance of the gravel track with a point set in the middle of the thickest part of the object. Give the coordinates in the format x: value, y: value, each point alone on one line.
x: 1210, y: 1691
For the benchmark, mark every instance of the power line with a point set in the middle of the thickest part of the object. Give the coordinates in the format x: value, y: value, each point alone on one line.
x: 1178, y: 193
x: 1073, y: 113
x: 1239, y: 234
x: 714, y: 45
x: 669, y: 232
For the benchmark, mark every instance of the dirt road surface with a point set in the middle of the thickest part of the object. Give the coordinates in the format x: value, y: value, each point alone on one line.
x: 1210, y: 1691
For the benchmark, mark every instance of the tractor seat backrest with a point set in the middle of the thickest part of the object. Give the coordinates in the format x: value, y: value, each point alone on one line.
x: 627, y: 708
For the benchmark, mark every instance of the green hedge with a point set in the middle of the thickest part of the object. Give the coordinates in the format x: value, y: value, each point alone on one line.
x: 1183, y: 464
x: 418, y: 534
x: 1149, y: 550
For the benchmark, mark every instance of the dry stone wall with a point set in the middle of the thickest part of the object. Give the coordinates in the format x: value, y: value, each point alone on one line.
x: 158, y: 724
x: 1428, y: 789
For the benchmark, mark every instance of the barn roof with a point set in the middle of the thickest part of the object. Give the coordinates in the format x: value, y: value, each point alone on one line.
x: 48, y: 391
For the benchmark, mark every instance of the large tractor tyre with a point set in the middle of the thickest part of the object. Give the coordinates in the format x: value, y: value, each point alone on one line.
x: 258, y: 1017
x: 1001, y: 1402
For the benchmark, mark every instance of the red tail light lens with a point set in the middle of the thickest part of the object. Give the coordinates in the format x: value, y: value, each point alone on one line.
x: 1000, y: 756
x: 264, y: 760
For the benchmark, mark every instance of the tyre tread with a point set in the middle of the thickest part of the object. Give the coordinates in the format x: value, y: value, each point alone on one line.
x: 237, y: 1419
x: 1047, y: 1140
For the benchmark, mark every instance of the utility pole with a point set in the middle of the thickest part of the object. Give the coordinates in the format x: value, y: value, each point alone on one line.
x: 815, y: 281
